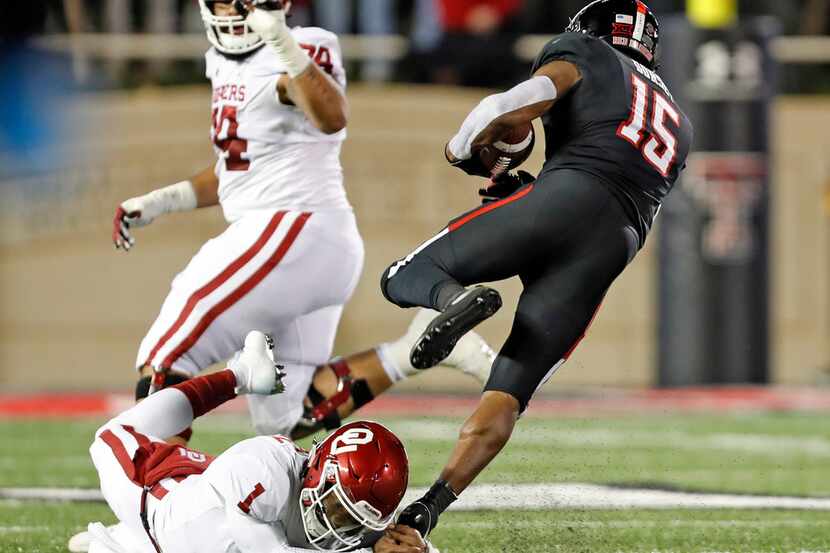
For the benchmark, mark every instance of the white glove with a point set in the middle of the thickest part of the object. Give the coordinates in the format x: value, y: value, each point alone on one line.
x: 267, y: 23
x: 141, y: 211
x: 271, y: 26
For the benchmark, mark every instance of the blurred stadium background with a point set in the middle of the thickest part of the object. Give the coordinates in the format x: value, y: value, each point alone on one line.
x: 101, y: 100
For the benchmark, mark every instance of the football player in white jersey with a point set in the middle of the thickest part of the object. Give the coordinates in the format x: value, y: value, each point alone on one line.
x: 262, y: 495
x: 292, y: 254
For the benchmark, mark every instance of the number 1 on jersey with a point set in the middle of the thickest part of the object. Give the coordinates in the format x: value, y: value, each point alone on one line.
x: 661, y: 148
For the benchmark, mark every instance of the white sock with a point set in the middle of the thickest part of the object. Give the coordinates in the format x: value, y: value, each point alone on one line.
x: 165, y: 413
x: 394, y: 356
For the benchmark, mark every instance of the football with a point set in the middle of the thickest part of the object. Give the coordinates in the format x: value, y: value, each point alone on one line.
x: 511, y: 151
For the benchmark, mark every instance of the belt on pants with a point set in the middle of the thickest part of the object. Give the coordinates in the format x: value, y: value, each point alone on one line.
x: 144, y: 521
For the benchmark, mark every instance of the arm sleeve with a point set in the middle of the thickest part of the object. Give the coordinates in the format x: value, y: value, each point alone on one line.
x: 529, y: 92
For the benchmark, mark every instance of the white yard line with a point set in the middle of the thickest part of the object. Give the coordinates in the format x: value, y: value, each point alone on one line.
x: 760, y: 444
x: 22, y: 529
x: 51, y: 494
x: 633, y: 523
x: 533, y: 497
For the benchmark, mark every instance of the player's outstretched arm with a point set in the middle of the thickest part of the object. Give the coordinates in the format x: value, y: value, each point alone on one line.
x: 496, y: 115
x: 305, y: 85
x: 201, y: 190
x: 483, y: 435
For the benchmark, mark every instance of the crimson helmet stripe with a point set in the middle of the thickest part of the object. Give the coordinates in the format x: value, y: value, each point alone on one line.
x: 640, y: 24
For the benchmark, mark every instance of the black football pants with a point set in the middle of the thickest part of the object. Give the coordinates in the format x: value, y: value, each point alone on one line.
x: 565, y: 236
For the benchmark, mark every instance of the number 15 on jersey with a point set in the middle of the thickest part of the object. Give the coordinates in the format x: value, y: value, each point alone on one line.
x: 660, y: 148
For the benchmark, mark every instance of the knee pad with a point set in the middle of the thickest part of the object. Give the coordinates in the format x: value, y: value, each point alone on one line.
x: 142, y: 387
x: 142, y: 390
x: 321, y: 412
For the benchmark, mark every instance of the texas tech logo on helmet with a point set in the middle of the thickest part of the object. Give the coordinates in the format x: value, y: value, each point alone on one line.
x: 627, y: 25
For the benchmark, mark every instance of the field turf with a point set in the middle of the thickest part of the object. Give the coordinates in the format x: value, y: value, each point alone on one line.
x: 758, y: 453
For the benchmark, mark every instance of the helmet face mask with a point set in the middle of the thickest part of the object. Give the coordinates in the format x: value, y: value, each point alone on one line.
x: 332, y: 521
x: 354, y: 481
x: 627, y: 25
x: 229, y: 34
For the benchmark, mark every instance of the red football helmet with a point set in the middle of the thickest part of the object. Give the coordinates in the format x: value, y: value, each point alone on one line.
x: 355, y: 480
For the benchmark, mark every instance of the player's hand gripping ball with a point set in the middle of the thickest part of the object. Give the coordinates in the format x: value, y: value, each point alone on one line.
x: 505, y: 155
x: 510, y: 152
x: 503, y: 185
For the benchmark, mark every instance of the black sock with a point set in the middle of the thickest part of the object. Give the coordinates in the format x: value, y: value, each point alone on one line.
x: 444, y: 293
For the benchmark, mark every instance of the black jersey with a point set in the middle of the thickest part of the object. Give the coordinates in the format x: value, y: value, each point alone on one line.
x: 619, y: 123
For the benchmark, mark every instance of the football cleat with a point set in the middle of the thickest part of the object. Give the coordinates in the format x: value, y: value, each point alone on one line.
x: 254, y: 366
x: 471, y: 355
x: 441, y: 335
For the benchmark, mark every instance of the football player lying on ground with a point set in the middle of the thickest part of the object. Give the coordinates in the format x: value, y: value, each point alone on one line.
x: 263, y: 494
x: 292, y: 254
x: 616, y: 142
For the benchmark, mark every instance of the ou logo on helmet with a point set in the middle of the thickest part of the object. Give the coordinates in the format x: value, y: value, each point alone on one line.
x: 348, y: 441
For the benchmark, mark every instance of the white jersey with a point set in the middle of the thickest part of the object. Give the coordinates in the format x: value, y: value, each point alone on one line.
x: 246, y: 501
x: 270, y: 155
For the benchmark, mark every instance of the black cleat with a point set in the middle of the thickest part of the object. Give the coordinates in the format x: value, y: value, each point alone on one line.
x: 465, y: 313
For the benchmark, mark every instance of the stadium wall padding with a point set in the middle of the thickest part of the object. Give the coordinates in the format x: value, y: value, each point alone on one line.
x: 73, y: 310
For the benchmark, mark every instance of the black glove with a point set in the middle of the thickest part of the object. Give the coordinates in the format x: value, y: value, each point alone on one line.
x: 473, y: 166
x: 504, y: 185
x: 419, y: 516
x: 422, y: 515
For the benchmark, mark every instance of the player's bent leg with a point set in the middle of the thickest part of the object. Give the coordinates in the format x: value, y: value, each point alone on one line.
x: 465, y: 312
x: 472, y: 355
x: 145, y: 385
x: 340, y: 388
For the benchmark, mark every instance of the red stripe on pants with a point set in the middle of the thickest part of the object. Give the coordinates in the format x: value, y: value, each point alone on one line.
x: 120, y: 453
x: 489, y: 207
x: 216, y: 282
x: 584, y: 332
x: 240, y: 292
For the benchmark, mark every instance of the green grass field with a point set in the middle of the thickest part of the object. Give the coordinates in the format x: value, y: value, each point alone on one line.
x: 770, y: 454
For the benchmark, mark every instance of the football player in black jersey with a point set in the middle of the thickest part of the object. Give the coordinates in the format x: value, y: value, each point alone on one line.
x: 615, y: 142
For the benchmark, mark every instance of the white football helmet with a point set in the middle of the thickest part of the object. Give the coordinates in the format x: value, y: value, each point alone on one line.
x: 230, y: 34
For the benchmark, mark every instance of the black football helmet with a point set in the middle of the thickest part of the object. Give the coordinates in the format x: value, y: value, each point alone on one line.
x: 627, y: 25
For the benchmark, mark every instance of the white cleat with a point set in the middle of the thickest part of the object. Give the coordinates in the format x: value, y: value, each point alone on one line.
x: 471, y: 355
x: 254, y: 366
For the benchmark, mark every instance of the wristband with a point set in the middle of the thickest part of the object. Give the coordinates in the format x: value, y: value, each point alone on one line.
x: 176, y: 197
x: 296, y: 59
